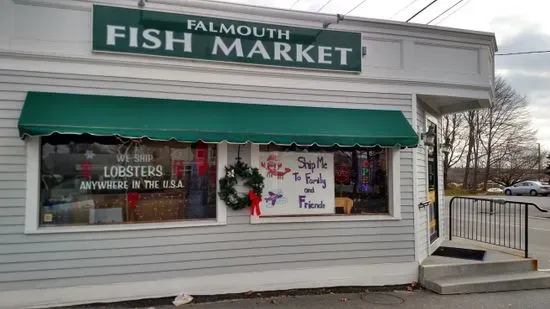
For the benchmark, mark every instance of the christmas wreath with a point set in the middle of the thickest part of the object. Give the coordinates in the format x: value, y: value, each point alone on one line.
x: 253, y: 179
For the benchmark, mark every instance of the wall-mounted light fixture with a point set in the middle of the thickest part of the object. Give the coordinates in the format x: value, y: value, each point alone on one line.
x: 428, y: 138
x: 141, y: 3
x: 446, y: 147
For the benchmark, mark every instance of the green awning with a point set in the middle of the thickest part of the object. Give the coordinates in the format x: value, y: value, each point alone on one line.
x: 185, y: 120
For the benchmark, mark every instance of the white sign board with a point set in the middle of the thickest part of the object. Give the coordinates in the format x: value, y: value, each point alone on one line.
x: 297, y: 183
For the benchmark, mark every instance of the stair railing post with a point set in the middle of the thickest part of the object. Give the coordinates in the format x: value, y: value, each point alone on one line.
x: 526, y: 231
x: 451, y: 219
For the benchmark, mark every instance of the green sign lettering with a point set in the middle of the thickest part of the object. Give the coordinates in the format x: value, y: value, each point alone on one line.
x: 125, y: 30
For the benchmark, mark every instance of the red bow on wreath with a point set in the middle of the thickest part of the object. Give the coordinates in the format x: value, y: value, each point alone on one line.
x: 255, y: 203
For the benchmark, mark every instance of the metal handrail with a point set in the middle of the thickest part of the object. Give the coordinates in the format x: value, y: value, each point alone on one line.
x: 486, y: 235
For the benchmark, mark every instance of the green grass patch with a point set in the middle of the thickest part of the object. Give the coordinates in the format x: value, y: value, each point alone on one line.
x: 463, y: 192
x: 460, y: 192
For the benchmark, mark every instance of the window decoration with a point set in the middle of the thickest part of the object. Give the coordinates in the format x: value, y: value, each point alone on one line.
x: 252, y: 179
x: 298, y: 183
x: 335, y: 180
x: 88, y: 180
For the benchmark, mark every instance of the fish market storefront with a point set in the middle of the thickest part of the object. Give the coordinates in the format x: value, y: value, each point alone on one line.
x: 217, y: 148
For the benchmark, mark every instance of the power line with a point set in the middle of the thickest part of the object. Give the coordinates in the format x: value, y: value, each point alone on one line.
x: 326, y: 3
x: 292, y: 6
x: 427, y: 6
x: 531, y: 52
x: 403, y: 8
x: 452, y: 13
x: 355, y: 7
x: 447, y: 10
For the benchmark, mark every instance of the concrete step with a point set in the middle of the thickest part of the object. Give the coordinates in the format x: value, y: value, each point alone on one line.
x: 475, y: 268
x: 490, y: 283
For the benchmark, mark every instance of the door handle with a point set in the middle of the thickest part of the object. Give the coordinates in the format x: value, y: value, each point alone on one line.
x: 424, y: 204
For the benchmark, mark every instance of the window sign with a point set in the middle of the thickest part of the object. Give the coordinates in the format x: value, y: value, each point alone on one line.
x: 297, y: 183
x: 125, y: 30
x: 357, y: 180
x: 108, y: 180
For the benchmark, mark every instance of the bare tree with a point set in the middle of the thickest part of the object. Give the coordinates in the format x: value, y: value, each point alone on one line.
x: 470, y: 119
x: 508, y: 113
x: 510, y: 141
x: 479, y: 122
x: 453, y: 134
x: 516, y: 164
x: 499, y: 140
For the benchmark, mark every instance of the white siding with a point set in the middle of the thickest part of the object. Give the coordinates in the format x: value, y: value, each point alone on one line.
x: 70, y: 259
x: 422, y: 185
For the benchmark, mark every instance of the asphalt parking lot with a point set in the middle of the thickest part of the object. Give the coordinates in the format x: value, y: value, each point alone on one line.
x: 539, y: 226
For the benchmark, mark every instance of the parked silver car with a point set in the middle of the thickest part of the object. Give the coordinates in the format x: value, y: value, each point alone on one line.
x: 530, y: 187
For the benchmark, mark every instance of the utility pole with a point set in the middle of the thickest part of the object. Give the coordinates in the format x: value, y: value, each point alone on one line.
x: 540, y: 162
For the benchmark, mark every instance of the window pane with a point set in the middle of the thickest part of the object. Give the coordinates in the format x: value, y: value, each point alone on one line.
x: 360, y: 177
x: 109, y: 180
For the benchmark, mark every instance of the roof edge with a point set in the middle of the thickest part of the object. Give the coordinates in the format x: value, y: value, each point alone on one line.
x: 325, y: 17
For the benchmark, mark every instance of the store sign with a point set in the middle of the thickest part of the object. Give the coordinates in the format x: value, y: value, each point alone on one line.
x: 297, y: 183
x: 131, y: 172
x: 125, y: 30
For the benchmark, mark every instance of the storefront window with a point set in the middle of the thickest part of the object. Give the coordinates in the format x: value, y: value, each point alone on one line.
x: 89, y: 180
x: 297, y: 179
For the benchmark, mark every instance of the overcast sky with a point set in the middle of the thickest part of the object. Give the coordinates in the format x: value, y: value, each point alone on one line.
x: 518, y: 25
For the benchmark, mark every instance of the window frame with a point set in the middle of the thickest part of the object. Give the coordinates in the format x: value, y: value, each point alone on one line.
x: 394, y: 194
x: 32, y: 200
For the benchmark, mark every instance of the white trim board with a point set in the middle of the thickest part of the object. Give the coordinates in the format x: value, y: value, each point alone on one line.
x: 32, y: 200
x: 394, y: 184
x: 432, y: 246
x: 351, y: 275
x: 327, y: 218
x: 436, y: 244
x: 416, y: 201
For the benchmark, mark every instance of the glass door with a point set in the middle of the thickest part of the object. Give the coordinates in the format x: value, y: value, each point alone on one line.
x: 433, y: 185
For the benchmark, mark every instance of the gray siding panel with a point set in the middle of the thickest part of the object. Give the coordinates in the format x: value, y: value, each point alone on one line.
x: 15, y: 150
x: 14, y: 168
x: 4, y: 159
x: 9, y: 123
x: 202, y: 255
x: 12, y: 193
x: 7, y: 132
x: 229, y: 233
x: 7, y: 212
x: 11, y: 184
x: 196, y: 264
x: 235, y: 224
x: 12, y: 220
x: 6, y: 104
x: 67, y: 259
x: 371, y: 242
x: 189, y: 273
x: 12, y: 202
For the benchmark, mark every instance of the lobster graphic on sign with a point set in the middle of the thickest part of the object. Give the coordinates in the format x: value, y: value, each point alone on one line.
x: 274, y: 167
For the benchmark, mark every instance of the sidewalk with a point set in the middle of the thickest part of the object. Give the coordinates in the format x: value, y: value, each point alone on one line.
x: 418, y: 299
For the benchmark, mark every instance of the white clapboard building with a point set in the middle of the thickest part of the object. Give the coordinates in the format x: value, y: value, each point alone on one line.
x: 210, y: 148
